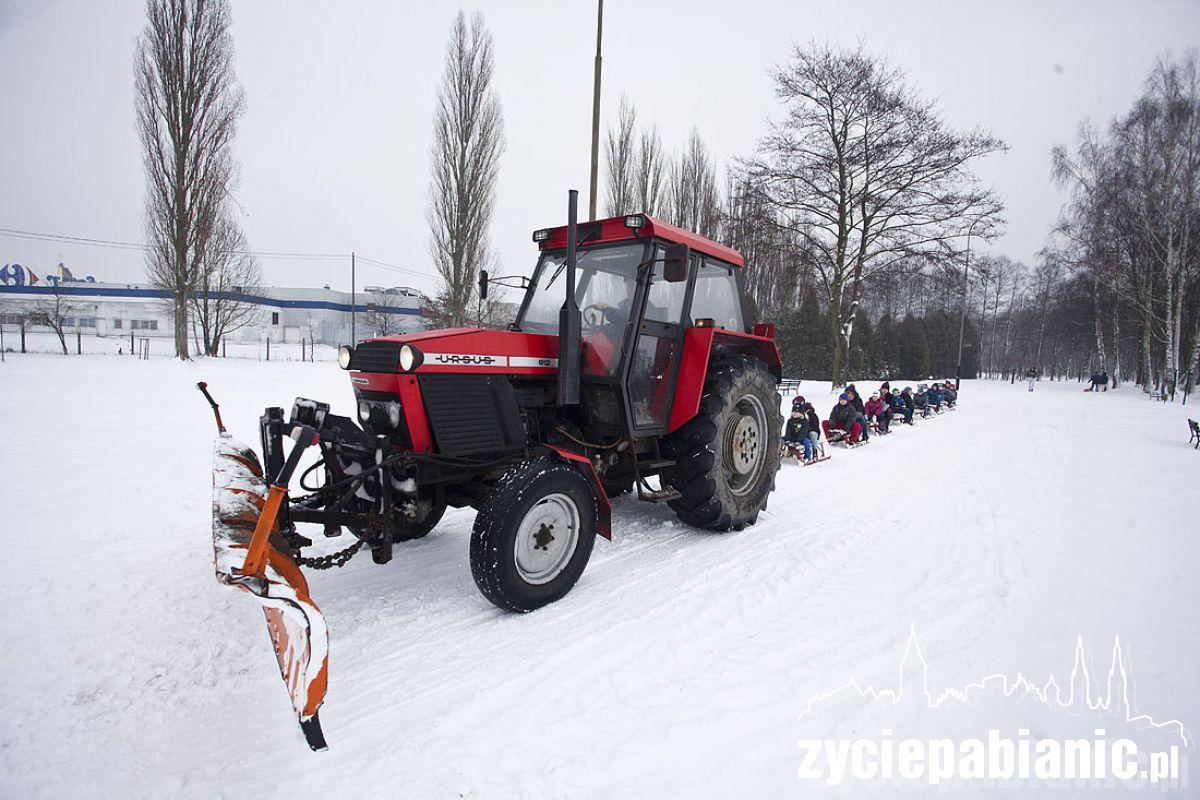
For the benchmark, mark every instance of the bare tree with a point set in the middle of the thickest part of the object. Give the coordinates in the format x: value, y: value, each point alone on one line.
x: 468, y: 140
x: 227, y: 273
x: 382, y: 316
x: 775, y: 263
x: 694, y: 202
x: 53, y: 312
x: 650, y: 172
x: 1087, y: 221
x: 188, y: 104
x: 868, y: 175
x: 620, y: 159
x: 1162, y: 134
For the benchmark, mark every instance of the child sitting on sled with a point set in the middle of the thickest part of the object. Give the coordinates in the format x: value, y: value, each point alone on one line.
x: 796, y: 432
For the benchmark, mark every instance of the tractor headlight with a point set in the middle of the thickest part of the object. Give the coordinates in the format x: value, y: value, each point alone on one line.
x: 393, y: 412
x: 364, y: 411
x: 344, y: 354
x: 410, y: 358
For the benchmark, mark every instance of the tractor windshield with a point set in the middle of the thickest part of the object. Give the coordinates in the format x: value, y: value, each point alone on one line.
x: 605, y: 280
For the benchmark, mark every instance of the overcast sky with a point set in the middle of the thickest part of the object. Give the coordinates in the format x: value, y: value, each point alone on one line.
x: 334, y: 144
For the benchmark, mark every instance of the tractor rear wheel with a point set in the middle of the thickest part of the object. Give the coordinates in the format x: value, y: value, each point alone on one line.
x: 726, y: 457
x: 534, y: 536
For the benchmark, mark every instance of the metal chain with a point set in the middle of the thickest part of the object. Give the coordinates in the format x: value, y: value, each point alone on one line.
x: 332, y: 560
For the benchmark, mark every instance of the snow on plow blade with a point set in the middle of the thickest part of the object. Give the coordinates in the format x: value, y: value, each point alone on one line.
x: 250, y: 554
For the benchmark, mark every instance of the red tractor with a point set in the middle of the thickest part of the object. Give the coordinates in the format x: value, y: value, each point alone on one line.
x: 632, y: 358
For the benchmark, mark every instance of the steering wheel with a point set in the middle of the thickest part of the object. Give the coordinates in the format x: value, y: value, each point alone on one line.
x: 596, y: 314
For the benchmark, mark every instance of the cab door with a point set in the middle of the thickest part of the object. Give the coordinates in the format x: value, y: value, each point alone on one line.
x: 654, y: 357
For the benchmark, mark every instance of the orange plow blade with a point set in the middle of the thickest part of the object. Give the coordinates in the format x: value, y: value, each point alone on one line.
x: 251, y: 554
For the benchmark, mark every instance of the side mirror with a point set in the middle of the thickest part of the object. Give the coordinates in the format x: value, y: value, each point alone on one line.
x: 483, y: 284
x: 675, y: 263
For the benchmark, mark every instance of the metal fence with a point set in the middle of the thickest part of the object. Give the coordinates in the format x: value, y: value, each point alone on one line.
x: 155, y: 347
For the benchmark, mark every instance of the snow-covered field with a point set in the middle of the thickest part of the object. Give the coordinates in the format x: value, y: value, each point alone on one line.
x: 678, y: 667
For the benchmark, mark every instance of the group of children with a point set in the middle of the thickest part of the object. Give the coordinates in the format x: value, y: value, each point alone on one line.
x: 851, y: 419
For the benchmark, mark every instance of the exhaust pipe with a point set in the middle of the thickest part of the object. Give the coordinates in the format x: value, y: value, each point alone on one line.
x: 570, y: 327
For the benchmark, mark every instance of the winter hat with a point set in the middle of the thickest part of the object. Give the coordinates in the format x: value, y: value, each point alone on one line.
x: 844, y: 396
x: 798, y: 404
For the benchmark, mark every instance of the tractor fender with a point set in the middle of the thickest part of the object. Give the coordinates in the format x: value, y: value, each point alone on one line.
x: 604, y: 507
x: 700, y: 345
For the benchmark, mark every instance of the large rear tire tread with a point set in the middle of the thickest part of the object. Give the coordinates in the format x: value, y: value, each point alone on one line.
x: 697, y: 447
x: 493, y: 564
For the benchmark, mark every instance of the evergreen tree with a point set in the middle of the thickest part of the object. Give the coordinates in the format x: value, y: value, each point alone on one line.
x: 817, y: 348
x: 912, y: 348
x: 790, y: 339
x: 884, y: 352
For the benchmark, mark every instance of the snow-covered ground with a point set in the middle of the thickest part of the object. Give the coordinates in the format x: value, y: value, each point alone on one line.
x: 160, y: 348
x: 678, y: 667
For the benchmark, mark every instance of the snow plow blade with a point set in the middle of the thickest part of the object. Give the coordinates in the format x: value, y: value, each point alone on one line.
x: 251, y: 554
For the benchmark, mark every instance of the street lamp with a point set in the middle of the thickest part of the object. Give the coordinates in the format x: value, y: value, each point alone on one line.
x: 962, y: 317
x: 596, y: 115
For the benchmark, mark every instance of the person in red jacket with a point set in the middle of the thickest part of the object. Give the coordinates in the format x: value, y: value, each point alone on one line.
x: 877, y: 410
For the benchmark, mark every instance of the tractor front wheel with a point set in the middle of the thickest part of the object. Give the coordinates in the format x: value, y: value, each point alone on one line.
x: 534, y: 536
x: 726, y: 457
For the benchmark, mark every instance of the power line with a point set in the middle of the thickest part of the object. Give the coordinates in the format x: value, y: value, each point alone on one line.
x: 141, y: 246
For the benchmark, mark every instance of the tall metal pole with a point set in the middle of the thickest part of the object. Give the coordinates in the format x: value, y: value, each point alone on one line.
x: 569, y: 325
x: 596, y: 112
x: 353, y: 302
x: 962, y: 317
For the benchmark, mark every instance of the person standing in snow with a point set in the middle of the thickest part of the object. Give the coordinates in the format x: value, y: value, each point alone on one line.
x: 1104, y: 381
x: 844, y: 417
x: 1031, y: 373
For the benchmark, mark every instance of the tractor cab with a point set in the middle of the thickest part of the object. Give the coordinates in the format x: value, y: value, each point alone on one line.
x: 641, y: 284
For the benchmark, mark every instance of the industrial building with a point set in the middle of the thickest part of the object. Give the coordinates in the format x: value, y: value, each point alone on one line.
x: 280, y: 315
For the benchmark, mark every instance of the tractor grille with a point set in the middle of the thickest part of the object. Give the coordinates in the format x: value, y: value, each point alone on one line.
x: 472, y: 413
x: 376, y: 357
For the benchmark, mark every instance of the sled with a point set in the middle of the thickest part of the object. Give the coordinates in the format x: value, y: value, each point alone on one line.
x: 250, y: 553
x: 797, y: 452
x: 837, y: 436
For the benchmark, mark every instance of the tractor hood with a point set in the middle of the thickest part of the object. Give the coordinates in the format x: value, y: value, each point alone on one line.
x: 465, y: 350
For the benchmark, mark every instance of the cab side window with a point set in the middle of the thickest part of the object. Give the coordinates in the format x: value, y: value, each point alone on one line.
x: 665, y: 301
x: 716, y: 296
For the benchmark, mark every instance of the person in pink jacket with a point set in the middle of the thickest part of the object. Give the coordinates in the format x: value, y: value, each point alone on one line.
x: 877, y: 410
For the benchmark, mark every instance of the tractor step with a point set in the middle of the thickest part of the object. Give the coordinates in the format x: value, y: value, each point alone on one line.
x: 655, y: 463
x: 663, y: 495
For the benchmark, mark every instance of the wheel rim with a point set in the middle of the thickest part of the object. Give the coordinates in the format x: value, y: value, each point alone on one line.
x: 745, y: 444
x: 546, y: 539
